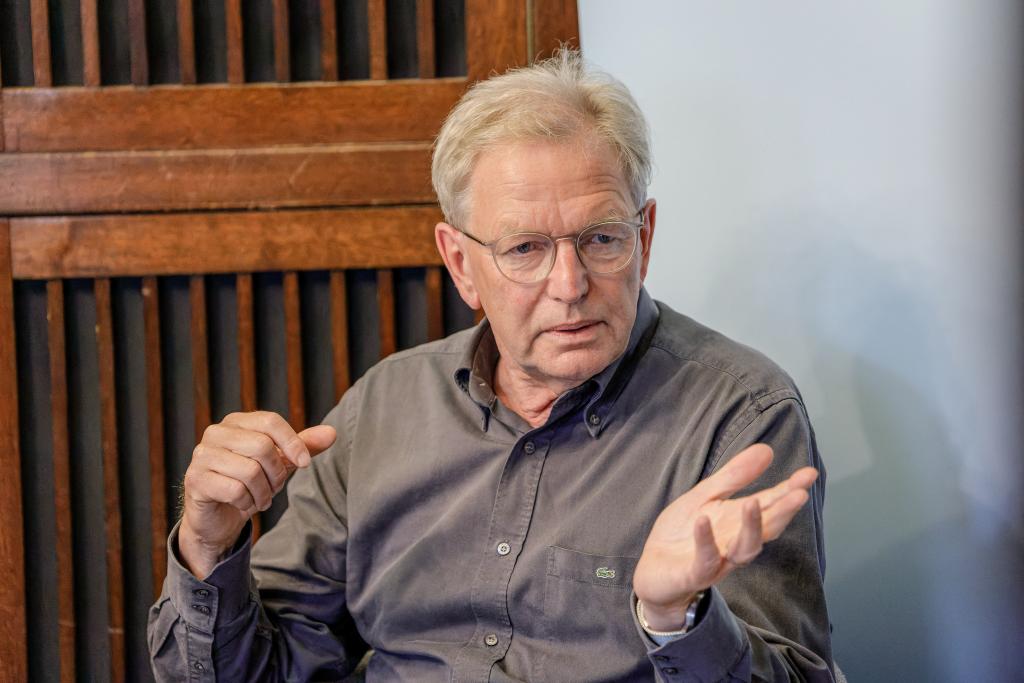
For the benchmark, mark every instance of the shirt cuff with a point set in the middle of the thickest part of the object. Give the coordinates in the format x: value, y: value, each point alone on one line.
x: 715, y: 647
x: 220, y: 597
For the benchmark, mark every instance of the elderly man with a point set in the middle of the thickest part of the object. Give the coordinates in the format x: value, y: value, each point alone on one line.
x: 565, y: 492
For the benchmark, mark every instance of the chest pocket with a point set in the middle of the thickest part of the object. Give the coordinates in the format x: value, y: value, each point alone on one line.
x: 588, y: 625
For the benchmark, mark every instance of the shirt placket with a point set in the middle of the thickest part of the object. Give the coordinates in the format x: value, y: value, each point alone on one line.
x: 510, y: 523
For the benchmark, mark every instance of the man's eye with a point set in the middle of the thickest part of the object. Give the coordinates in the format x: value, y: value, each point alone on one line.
x: 601, y: 239
x: 523, y: 248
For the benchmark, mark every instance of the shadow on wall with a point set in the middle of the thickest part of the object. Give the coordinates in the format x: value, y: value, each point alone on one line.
x: 924, y: 577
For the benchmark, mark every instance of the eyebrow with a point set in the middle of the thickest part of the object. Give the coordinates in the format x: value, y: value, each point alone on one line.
x: 505, y: 229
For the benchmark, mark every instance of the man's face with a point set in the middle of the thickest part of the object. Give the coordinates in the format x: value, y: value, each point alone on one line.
x: 570, y: 326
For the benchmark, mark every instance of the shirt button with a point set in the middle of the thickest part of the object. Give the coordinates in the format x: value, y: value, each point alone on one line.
x: 202, y: 592
x: 670, y: 670
x: 202, y: 609
x: 504, y: 548
x: 529, y: 448
x: 595, y: 419
x: 491, y: 640
x: 198, y: 666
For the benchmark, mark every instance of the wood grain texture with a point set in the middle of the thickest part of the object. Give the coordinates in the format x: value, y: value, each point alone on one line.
x: 293, y: 351
x: 216, y: 179
x: 282, y: 57
x: 200, y: 355
x: 111, y: 480
x: 186, y: 42
x: 169, y: 244
x: 435, y: 307
x: 425, y: 38
x: 377, y: 21
x: 218, y: 116
x: 90, y: 43
x: 41, y: 68
x: 233, y: 39
x: 386, y: 307
x: 339, y: 333
x: 555, y: 22
x: 247, y: 358
x: 328, y: 41
x: 155, y: 429
x: 495, y: 36
x: 13, y: 634
x: 137, y: 42
x: 61, y: 478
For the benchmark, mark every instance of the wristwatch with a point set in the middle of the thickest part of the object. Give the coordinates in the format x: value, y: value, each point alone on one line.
x: 689, y: 620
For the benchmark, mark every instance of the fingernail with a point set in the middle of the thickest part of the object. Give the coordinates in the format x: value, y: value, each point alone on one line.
x: 304, y: 459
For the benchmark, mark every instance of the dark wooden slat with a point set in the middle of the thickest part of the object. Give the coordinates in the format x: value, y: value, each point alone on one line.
x: 154, y: 406
x: 478, y: 315
x: 208, y: 116
x: 247, y: 357
x: 293, y: 351
x: 339, y: 333
x: 200, y: 353
x: 186, y: 42
x: 378, y: 26
x: 282, y: 61
x: 386, y: 306
x: 41, y: 68
x: 555, y: 22
x: 328, y: 41
x: 13, y: 633
x: 233, y: 34
x: 137, y: 42
x: 111, y: 485
x: 90, y: 43
x: 495, y: 36
x: 61, y: 477
x: 425, y: 38
x: 223, y: 179
x: 87, y: 246
x: 435, y: 310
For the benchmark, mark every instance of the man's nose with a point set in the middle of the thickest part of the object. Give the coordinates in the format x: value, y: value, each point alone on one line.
x: 568, y: 278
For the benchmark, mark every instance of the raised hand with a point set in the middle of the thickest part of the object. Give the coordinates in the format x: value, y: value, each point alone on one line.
x: 704, y: 535
x: 239, y: 466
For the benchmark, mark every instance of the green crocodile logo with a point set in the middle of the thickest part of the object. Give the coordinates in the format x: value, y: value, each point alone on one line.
x: 605, y: 573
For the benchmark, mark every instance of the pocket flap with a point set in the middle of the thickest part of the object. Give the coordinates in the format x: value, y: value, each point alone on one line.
x: 599, y: 570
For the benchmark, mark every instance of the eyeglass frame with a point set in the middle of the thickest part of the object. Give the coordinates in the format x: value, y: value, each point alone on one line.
x: 554, y: 241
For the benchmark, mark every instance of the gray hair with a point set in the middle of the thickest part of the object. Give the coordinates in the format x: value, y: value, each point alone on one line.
x: 554, y: 99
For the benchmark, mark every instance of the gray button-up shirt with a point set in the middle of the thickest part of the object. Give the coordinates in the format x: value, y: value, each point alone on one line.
x: 461, y: 544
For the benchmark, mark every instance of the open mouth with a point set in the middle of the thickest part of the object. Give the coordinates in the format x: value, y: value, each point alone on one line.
x: 574, y: 329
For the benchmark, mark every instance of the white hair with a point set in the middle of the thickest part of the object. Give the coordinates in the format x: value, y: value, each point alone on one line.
x: 555, y: 99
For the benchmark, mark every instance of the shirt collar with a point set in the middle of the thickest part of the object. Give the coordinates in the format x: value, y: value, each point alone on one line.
x: 476, y: 369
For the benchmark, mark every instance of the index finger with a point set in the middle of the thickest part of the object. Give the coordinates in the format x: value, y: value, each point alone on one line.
x: 278, y: 429
x: 738, y: 473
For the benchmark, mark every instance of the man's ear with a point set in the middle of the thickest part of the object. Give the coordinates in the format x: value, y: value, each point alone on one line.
x: 450, y: 242
x: 647, y: 236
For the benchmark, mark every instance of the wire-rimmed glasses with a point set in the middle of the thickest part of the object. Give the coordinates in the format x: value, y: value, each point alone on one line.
x: 528, y: 257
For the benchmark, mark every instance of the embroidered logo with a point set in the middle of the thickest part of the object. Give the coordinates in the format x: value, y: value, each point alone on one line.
x: 605, y: 573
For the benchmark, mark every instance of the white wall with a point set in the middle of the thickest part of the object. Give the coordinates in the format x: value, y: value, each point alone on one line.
x: 838, y: 186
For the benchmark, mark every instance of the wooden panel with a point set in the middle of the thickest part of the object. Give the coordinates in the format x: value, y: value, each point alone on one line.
x: 90, y: 43
x: 293, y: 352
x: 200, y: 353
x: 339, y: 333
x: 386, y: 307
x: 328, y: 41
x: 162, y: 181
x: 233, y: 38
x: 41, y: 69
x: 111, y: 485
x: 88, y: 246
x: 247, y: 358
x: 425, y: 38
x: 200, y: 117
x: 61, y: 478
x: 282, y: 62
x: 13, y: 634
x: 137, y: 42
x: 435, y: 310
x: 495, y: 36
x: 378, y: 27
x: 555, y: 22
x: 154, y: 406
x: 186, y: 42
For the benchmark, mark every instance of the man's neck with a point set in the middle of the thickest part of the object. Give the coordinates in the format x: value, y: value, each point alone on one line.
x: 526, y: 396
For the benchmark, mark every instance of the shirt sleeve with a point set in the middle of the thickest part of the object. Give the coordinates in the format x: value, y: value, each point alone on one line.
x: 766, y: 621
x: 273, y: 611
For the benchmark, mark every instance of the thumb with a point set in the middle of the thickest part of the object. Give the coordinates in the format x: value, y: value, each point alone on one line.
x: 318, y: 438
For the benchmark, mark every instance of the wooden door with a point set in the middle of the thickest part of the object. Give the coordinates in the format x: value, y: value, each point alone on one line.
x: 156, y: 160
